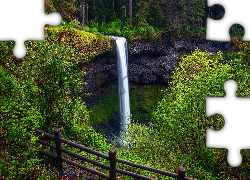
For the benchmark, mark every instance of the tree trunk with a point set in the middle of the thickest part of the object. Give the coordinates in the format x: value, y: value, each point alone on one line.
x: 87, y: 14
x: 166, y: 11
x: 83, y: 13
x: 125, y: 13
x: 130, y: 13
x: 114, y: 8
x: 103, y: 13
x: 117, y: 6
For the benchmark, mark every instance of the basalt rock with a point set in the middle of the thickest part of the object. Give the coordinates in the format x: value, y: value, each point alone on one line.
x: 143, y: 70
x: 157, y: 47
x: 161, y: 47
x: 149, y: 63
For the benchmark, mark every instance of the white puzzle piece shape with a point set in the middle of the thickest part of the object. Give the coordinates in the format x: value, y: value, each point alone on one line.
x: 235, y: 134
x: 27, y: 19
x: 236, y: 12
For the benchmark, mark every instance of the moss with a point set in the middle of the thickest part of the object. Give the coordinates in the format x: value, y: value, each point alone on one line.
x: 99, y: 79
x: 87, y: 44
x: 143, y: 101
x: 104, y: 109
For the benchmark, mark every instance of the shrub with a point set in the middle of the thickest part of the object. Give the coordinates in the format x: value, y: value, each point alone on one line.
x: 234, y: 30
x: 150, y: 30
x: 41, y: 91
x: 16, y: 112
x: 181, y: 115
x: 142, y: 31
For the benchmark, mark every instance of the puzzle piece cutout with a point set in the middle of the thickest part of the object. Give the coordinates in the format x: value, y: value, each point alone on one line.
x: 235, y: 134
x: 27, y: 19
x: 236, y: 12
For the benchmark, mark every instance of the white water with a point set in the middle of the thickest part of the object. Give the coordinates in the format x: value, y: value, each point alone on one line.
x: 123, y: 85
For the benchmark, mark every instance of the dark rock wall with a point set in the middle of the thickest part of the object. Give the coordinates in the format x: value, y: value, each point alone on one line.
x: 149, y: 63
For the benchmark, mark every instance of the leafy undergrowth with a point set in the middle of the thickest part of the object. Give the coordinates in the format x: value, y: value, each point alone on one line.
x: 122, y: 28
x: 178, y: 132
x: 143, y: 101
x: 41, y: 91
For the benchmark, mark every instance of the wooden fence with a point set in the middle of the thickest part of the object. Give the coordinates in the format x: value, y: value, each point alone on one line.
x: 111, y: 157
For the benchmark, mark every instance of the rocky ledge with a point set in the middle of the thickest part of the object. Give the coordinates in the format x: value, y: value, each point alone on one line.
x: 149, y: 63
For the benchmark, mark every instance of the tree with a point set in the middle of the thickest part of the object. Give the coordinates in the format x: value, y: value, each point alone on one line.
x: 124, y: 7
x: 82, y: 8
x: 130, y: 13
x: 143, y: 12
x: 66, y: 8
x: 180, y: 13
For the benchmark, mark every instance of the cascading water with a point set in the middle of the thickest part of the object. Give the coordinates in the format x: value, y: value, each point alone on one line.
x: 123, y: 85
x: 122, y: 69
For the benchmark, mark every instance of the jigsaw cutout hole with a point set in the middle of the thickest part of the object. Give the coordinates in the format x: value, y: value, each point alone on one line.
x: 230, y: 87
x: 19, y: 49
x: 234, y: 157
x: 216, y: 12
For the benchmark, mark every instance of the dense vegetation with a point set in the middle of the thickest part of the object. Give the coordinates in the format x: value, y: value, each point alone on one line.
x: 147, y: 16
x: 177, y: 134
x: 42, y: 90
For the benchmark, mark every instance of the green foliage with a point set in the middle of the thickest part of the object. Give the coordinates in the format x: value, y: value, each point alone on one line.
x: 104, y: 109
x: 41, y: 91
x: 165, y: 15
x: 180, y: 118
x: 65, y: 8
x: 151, y: 30
x: 181, y: 15
x: 17, y: 168
x: 234, y: 30
x: 142, y: 101
x: 17, y: 112
x: 178, y: 131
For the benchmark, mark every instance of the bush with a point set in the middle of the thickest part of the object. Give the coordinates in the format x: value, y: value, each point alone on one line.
x: 150, y: 30
x: 41, y: 91
x: 142, y: 31
x: 181, y: 115
x: 234, y: 30
x: 16, y: 112
x: 94, y: 30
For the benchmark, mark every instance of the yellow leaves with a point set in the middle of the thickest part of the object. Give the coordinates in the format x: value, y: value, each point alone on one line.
x: 86, y: 44
x: 195, y: 64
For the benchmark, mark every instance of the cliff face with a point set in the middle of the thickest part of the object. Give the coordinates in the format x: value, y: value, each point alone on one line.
x: 150, y: 62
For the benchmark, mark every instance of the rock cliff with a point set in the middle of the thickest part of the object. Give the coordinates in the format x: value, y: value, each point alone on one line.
x: 150, y: 62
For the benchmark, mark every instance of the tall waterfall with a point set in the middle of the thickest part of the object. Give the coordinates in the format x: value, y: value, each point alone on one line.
x: 122, y: 69
x: 123, y: 85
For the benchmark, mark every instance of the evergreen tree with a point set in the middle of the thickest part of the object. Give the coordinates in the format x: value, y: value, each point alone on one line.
x: 130, y: 13
x: 184, y: 12
x: 82, y: 8
x: 66, y: 8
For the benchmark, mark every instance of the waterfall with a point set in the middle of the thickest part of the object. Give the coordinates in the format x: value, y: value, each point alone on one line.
x: 123, y: 85
x: 122, y: 69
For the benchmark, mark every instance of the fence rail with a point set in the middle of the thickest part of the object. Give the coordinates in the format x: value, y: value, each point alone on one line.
x: 111, y: 157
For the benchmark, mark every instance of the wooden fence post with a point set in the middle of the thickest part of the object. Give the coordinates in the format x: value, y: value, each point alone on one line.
x: 57, y: 134
x: 112, y: 162
x: 181, y: 173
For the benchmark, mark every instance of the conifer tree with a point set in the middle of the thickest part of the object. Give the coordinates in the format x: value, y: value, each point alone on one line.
x: 65, y: 7
x: 130, y: 13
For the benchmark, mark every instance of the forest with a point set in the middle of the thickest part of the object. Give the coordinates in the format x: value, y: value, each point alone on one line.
x: 141, y: 17
x: 47, y: 88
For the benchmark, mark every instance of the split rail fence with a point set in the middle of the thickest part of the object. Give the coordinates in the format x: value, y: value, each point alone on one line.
x: 111, y: 157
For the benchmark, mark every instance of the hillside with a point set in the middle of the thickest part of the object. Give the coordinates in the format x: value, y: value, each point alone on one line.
x: 42, y: 91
